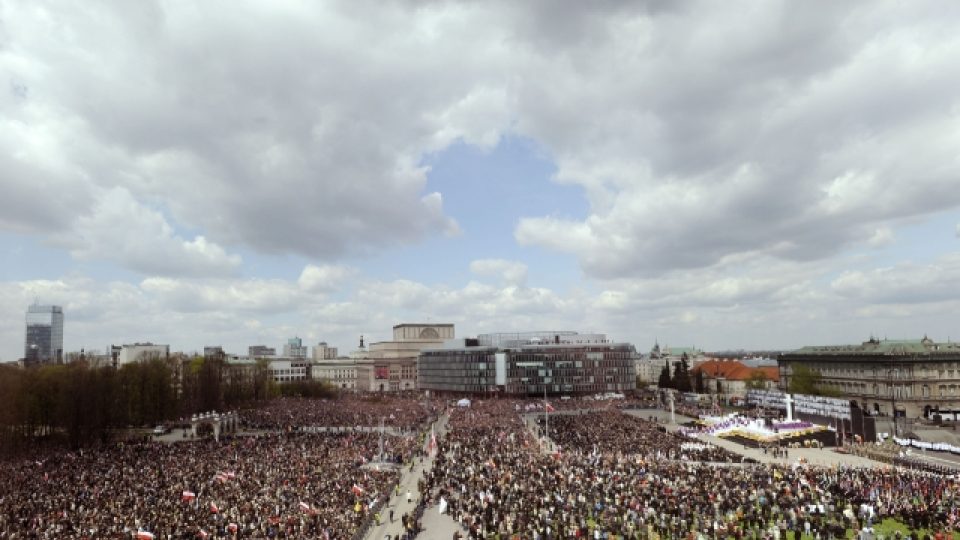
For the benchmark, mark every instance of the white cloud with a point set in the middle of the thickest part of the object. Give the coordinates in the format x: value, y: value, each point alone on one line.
x: 512, y: 272
x: 122, y: 230
x: 324, y: 278
x: 905, y: 283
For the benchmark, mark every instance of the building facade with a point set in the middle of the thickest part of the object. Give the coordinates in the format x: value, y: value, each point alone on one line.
x: 340, y: 373
x: 322, y: 351
x: 391, y: 366
x: 44, y: 335
x: 912, y: 377
x: 529, y: 364
x: 261, y: 351
x: 294, y: 348
x: 140, y: 352
x: 285, y: 370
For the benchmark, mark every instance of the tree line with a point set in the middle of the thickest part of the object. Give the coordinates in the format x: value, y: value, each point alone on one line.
x: 79, y: 405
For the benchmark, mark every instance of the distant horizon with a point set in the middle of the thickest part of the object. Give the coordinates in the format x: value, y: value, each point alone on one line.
x: 747, y: 175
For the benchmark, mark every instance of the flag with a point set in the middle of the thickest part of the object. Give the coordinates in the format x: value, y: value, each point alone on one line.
x: 202, y: 533
x: 144, y: 535
x: 356, y: 489
x: 432, y: 444
x: 187, y: 496
x: 304, y: 506
x: 214, y: 509
x: 550, y: 407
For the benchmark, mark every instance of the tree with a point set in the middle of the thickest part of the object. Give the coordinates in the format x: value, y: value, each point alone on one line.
x: 681, y: 375
x: 699, y: 385
x: 757, y: 381
x: 804, y: 380
x: 664, y: 381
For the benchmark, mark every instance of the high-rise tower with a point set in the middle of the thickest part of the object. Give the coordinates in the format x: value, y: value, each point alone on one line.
x: 44, y: 336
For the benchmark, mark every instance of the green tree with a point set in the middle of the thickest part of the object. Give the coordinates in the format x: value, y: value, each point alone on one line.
x: 664, y: 381
x: 804, y: 380
x: 681, y: 375
x: 757, y: 381
x: 699, y: 385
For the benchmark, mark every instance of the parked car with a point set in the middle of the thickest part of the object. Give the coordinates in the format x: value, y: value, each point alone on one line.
x: 161, y: 430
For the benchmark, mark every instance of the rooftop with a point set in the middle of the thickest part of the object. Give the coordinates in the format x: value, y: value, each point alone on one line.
x: 875, y: 346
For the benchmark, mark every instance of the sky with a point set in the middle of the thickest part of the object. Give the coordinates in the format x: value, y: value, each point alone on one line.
x: 724, y: 175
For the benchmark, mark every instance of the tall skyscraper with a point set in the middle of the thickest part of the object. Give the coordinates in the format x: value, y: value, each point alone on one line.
x: 44, y: 341
x: 294, y: 348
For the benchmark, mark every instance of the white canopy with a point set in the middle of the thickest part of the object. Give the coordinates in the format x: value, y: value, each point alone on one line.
x: 463, y: 403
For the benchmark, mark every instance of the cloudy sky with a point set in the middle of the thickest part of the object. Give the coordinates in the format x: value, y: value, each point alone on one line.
x: 719, y: 174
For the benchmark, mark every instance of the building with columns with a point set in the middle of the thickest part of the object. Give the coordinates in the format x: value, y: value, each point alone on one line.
x: 914, y: 377
x: 391, y: 366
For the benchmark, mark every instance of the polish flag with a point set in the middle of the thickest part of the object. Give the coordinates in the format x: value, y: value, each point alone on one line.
x: 550, y: 407
x: 214, y: 509
x: 304, y: 506
x: 232, y: 527
x: 144, y: 535
x: 202, y: 533
x: 188, y: 496
x: 356, y: 489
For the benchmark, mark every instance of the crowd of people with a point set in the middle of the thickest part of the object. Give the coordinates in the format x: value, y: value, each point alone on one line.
x: 603, y: 474
x: 284, y: 484
x: 613, y: 431
x: 610, y: 486
x: 405, y: 414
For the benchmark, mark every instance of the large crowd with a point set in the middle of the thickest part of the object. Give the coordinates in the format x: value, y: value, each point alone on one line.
x: 403, y: 414
x: 612, y: 431
x: 278, y: 485
x: 614, y: 487
x: 603, y: 474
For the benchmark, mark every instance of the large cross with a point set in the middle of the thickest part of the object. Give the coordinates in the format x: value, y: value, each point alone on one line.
x: 788, y: 400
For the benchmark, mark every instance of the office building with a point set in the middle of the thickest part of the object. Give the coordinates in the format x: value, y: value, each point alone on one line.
x: 261, y: 351
x: 44, y: 335
x: 294, y: 348
x: 529, y: 364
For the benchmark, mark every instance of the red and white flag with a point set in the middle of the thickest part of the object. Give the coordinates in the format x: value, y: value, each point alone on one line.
x: 304, y: 506
x: 357, y: 490
x: 232, y: 527
x: 144, y: 535
x: 214, y: 509
x: 188, y: 496
x: 432, y: 443
x: 550, y: 407
x: 202, y: 533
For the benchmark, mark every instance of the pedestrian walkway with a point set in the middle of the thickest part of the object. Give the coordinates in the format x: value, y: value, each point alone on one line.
x: 406, y: 499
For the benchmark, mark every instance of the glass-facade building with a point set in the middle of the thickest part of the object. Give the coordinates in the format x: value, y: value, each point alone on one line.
x: 44, y: 335
x: 566, y: 364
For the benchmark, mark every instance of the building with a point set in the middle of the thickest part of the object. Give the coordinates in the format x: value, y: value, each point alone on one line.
x: 44, y: 335
x: 912, y: 377
x: 529, y: 364
x: 340, y: 373
x: 294, y: 348
x: 284, y: 370
x: 391, y: 366
x: 214, y: 351
x: 140, y: 352
x: 261, y: 351
x: 730, y: 379
x: 321, y: 351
